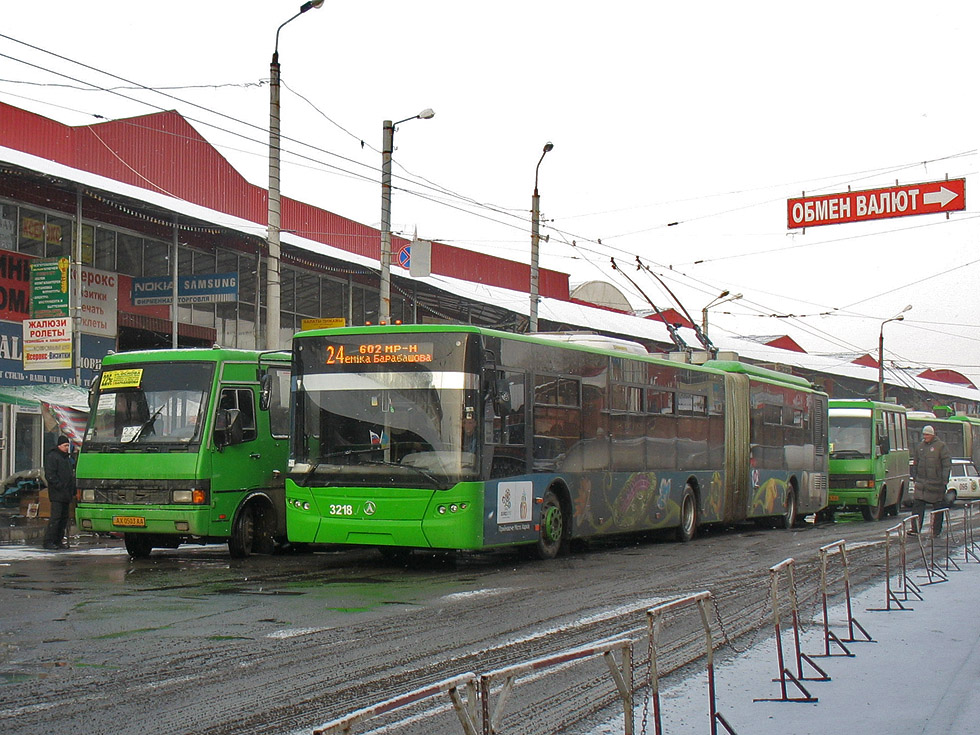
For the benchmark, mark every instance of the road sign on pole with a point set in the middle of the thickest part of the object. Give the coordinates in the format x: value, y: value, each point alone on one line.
x: 860, y: 206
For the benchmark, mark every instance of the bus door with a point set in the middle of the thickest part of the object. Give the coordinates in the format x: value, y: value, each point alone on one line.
x: 738, y: 471
x: 234, y: 465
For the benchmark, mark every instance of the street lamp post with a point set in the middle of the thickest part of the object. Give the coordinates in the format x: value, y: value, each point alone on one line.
x: 722, y: 298
x: 272, y: 274
x: 881, y: 351
x: 387, y: 147
x: 532, y: 325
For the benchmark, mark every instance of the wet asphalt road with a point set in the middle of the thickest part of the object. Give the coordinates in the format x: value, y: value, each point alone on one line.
x: 191, y: 641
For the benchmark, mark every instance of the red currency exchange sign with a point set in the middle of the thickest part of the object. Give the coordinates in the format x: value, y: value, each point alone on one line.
x: 893, y: 201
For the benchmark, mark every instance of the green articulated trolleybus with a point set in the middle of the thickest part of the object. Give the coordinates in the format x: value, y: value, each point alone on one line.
x: 458, y: 437
x: 187, y: 446
x: 869, y: 458
x: 960, y: 433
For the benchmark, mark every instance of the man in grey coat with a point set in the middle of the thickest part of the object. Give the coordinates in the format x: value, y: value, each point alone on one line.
x: 930, y: 468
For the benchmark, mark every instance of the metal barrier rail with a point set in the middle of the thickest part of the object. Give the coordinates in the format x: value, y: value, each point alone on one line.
x: 898, y: 532
x: 465, y: 708
x: 510, y: 674
x: 654, y: 625
x: 970, y: 546
x: 788, y: 566
x: 852, y: 622
x: 942, y: 515
x: 478, y: 689
x: 935, y: 574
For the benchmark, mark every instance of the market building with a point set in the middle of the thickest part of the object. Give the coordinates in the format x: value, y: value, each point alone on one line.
x: 116, y: 208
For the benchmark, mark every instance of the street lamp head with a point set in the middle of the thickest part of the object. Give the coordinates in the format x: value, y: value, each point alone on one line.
x: 427, y: 114
x: 311, y: 5
x: 548, y: 146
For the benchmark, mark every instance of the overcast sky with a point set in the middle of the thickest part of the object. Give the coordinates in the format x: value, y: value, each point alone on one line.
x: 709, y: 115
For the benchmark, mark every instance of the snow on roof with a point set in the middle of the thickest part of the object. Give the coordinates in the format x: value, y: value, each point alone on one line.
x: 555, y: 310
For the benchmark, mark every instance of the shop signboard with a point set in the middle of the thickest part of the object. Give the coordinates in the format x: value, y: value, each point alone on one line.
x: 47, y: 344
x: 49, y: 287
x: 99, y: 299
x: 191, y: 289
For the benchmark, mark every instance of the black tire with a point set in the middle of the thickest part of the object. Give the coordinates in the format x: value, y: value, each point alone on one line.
x: 826, y: 515
x: 688, y: 527
x: 554, y: 527
x: 894, y: 510
x: 788, y: 518
x: 138, y: 545
x: 242, y: 540
x: 877, y: 512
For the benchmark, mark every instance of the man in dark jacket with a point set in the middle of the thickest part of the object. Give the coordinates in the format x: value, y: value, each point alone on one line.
x: 60, y: 475
x: 930, y: 468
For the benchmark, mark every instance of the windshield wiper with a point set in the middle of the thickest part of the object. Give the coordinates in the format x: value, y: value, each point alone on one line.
x: 425, y: 473
x: 848, y: 453
x: 147, y: 424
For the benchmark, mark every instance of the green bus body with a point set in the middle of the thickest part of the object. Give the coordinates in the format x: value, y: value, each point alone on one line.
x: 457, y: 437
x: 187, y: 446
x: 961, y: 434
x: 869, y: 457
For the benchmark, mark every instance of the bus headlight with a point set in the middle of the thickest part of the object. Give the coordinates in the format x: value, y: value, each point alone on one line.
x: 88, y: 495
x: 189, y: 497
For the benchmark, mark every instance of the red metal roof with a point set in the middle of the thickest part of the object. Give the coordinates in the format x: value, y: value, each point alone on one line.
x: 162, y: 152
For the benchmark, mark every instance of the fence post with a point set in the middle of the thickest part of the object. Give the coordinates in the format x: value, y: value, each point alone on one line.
x: 510, y: 674
x: 784, y: 673
x: 890, y: 595
x: 465, y: 709
x: 852, y: 622
x: 970, y: 546
x: 654, y: 626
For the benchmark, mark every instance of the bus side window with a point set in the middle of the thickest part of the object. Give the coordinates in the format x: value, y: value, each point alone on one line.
x: 278, y: 384
x: 243, y: 400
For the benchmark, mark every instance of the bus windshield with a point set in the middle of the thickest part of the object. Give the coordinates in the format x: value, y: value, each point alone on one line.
x: 394, y: 412
x: 850, y: 436
x: 149, y: 403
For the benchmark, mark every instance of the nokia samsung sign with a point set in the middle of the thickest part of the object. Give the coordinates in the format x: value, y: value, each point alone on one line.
x: 198, y: 289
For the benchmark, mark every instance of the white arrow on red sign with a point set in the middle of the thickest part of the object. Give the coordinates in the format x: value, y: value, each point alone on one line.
x: 871, y: 204
x: 942, y: 197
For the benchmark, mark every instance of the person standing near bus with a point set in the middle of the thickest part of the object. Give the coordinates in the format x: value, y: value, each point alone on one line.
x: 60, y: 475
x: 930, y: 469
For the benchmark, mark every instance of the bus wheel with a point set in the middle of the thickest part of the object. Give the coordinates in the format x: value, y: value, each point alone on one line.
x: 552, y: 527
x: 242, y: 534
x: 894, y: 510
x: 138, y: 545
x: 876, y: 513
x: 788, y: 518
x: 689, y: 516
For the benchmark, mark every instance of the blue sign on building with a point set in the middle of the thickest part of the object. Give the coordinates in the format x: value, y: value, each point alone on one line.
x: 200, y: 289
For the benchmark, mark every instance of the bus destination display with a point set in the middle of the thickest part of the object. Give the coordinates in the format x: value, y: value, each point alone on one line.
x: 376, y: 353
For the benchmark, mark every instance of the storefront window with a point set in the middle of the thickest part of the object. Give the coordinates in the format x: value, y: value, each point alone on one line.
x: 307, y: 294
x: 57, y: 237
x: 156, y: 258
x: 129, y: 258
x: 8, y: 227
x: 30, y: 236
x: 333, y: 298
x: 105, y: 249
